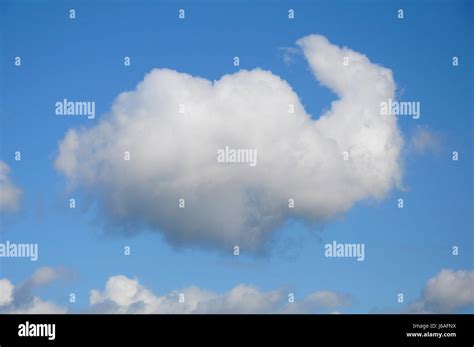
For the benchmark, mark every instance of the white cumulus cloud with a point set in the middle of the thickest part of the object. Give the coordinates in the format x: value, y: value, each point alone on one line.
x: 127, y: 295
x: 10, y: 194
x: 173, y: 124
x: 448, y: 291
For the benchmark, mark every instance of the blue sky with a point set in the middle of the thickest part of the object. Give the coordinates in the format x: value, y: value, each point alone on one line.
x: 82, y: 59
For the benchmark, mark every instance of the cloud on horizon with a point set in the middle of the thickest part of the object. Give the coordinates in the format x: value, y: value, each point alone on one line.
x: 447, y: 292
x: 20, y: 299
x: 127, y: 295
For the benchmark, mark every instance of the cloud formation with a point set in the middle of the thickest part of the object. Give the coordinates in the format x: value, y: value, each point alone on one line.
x: 450, y: 291
x: 447, y: 292
x: 173, y: 124
x: 21, y: 298
x: 127, y: 295
x: 10, y: 194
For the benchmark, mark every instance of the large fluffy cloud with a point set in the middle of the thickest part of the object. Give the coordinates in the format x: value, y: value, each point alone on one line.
x: 127, y: 295
x: 10, y: 194
x: 448, y: 291
x: 173, y: 124
x: 21, y: 298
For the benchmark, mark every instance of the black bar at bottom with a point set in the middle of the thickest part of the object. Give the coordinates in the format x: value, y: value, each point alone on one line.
x: 402, y: 330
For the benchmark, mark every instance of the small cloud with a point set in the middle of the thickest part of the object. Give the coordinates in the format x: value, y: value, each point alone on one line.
x: 425, y: 140
x: 319, y: 301
x: 328, y: 299
x: 447, y: 292
x: 44, y: 276
x: 289, y: 54
x: 6, y: 292
x: 10, y: 194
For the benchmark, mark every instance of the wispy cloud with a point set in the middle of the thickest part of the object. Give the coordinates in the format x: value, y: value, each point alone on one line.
x: 289, y: 54
x: 424, y: 140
